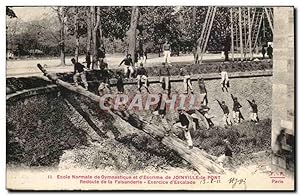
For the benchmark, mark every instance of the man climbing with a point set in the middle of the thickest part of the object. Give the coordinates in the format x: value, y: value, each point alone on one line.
x: 101, y: 57
x: 185, y: 72
x: 270, y: 51
x: 143, y: 56
x: 201, y: 117
x: 104, y: 87
x: 128, y: 69
x: 120, y: 84
x: 79, y: 71
x: 203, y: 92
x: 254, y: 111
x: 161, y: 111
x: 237, y: 115
x: 228, y: 153
x: 204, y: 111
x: 167, y: 52
x: 164, y: 77
x: 185, y: 122
x: 142, y: 78
x: 226, y: 118
x: 224, y: 79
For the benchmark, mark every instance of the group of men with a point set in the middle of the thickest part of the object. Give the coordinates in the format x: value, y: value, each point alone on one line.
x: 188, y: 120
x: 269, y: 51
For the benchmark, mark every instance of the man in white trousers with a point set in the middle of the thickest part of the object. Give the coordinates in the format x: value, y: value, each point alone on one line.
x: 167, y: 52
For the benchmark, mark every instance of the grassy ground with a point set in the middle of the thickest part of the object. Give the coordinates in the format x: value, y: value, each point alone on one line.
x: 259, y: 89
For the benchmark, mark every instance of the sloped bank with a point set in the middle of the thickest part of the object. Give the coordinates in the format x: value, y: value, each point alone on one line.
x: 42, y: 127
x: 140, y: 142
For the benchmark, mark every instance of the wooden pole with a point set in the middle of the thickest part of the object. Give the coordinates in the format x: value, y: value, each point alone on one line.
x: 199, y: 159
x: 259, y: 25
x: 249, y: 34
x: 236, y: 33
x: 253, y: 23
x: 269, y: 20
x: 208, y: 34
x: 245, y: 33
x: 241, y: 34
x: 200, y: 40
x: 206, y: 30
x: 231, y: 28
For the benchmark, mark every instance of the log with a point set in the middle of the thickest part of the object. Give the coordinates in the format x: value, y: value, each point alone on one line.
x: 201, y: 161
x: 80, y: 122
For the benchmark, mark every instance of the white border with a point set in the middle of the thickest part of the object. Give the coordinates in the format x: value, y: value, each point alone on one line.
x: 117, y: 2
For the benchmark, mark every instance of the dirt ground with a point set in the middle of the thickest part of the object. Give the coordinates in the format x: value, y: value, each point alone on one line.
x: 27, y: 67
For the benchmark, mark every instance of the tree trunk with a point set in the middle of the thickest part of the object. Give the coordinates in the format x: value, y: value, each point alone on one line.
x: 61, y: 19
x: 89, y: 30
x: 199, y: 159
x: 76, y: 35
x: 96, y: 23
x: 132, y: 31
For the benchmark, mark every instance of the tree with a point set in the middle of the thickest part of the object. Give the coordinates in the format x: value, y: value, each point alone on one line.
x: 132, y: 32
x: 88, y: 31
x: 76, y: 24
x: 10, y: 12
x: 61, y: 13
x: 95, y: 12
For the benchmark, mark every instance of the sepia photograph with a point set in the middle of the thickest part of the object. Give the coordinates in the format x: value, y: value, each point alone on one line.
x: 165, y: 98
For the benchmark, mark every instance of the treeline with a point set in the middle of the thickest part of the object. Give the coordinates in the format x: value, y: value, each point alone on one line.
x: 78, y: 30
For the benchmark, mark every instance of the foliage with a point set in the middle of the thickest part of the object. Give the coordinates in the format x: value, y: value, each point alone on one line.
x: 10, y: 13
x: 181, y: 25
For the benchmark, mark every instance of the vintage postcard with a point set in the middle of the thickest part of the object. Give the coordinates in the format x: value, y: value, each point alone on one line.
x: 186, y: 98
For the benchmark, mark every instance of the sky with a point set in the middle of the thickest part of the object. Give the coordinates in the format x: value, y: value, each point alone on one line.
x: 33, y: 13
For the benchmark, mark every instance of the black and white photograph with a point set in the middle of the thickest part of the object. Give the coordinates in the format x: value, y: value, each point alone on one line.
x: 192, y: 98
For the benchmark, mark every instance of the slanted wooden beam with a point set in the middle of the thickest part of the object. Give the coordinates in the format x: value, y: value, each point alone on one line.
x: 202, y: 162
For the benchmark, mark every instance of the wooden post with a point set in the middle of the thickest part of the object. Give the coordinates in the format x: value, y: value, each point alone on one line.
x: 236, y: 33
x: 208, y: 33
x: 253, y: 23
x: 231, y: 28
x: 241, y: 34
x: 245, y: 33
x: 249, y: 34
x: 200, y: 40
x: 269, y: 20
x: 259, y: 25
